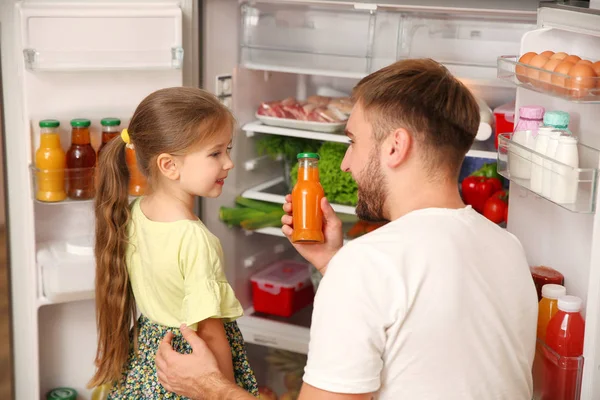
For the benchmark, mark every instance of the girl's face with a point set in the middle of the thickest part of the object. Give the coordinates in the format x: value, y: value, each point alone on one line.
x: 202, y: 172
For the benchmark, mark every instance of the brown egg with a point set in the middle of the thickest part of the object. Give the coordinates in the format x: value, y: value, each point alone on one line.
x: 546, y: 77
x: 583, y: 78
x: 588, y: 62
x: 561, y: 56
x: 521, y: 71
x: 572, y: 58
x: 596, y: 67
x: 559, y: 81
x: 547, y: 53
x: 536, y: 62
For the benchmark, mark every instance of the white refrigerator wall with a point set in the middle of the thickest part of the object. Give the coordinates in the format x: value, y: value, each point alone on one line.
x: 54, y: 344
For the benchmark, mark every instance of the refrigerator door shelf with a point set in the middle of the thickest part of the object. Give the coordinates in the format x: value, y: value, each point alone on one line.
x: 66, y: 275
x: 583, y: 181
x: 579, y: 90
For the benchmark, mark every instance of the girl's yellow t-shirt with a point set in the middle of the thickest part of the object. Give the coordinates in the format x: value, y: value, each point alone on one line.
x: 176, y: 272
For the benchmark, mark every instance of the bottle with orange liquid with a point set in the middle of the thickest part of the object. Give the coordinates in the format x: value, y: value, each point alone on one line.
x: 110, y: 130
x: 50, y: 164
x: 81, y: 160
x: 306, y: 201
x: 548, y: 307
x: 137, y: 181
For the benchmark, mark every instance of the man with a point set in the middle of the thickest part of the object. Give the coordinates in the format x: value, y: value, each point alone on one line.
x: 437, y: 304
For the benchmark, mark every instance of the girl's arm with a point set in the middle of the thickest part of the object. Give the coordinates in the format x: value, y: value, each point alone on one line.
x: 212, y: 331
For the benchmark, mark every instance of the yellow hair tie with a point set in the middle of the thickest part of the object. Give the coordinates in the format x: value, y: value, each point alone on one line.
x: 125, y: 136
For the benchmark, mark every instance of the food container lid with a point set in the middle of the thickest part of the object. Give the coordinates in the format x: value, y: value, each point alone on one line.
x: 283, y: 274
x: 80, y: 123
x: 64, y: 393
x: 553, y: 291
x: 308, y: 155
x: 49, y: 123
x: 531, y: 112
x: 556, y: 118
x: 81, y: 246
x: 110, y: 122
x: 569, y: 304
x: 508, y: 110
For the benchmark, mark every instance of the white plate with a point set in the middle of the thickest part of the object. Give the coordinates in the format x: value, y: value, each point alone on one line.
x: 328, y: 127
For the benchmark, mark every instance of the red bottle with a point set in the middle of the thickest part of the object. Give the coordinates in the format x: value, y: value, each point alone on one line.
x: 564, y: 336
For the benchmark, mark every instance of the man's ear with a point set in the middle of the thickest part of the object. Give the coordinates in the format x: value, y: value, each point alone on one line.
x: 168, y: 166
x: 396, y: 147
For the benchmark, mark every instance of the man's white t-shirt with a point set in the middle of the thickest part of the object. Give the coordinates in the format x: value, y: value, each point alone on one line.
x: 438, y: 304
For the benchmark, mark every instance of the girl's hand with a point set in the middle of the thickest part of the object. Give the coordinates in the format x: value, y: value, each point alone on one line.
x: 318, y: 255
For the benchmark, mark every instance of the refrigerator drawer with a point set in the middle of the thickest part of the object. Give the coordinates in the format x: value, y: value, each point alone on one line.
x: 67, y: 269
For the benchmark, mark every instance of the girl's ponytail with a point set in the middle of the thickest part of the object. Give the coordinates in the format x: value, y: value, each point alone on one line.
x: 115, y: 304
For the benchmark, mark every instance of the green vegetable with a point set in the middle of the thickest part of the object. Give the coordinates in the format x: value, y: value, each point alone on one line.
x: 265, y: 220
x: 235, y: 216
x: 488, y: 170
x: 258, y: 205
x: 339, y: 187
x: 287, y: 147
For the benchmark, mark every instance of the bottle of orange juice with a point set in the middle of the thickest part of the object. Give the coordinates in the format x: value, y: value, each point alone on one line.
x: 50, y: 164
x: 306, y: 201
x: 137, y: 181
x: 548, y: 306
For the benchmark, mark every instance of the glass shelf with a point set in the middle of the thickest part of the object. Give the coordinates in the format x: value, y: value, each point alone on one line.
x: 586, y: 90
x: 516, y: 163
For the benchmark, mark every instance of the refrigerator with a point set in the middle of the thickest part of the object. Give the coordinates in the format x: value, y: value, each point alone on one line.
x: 96, y: 59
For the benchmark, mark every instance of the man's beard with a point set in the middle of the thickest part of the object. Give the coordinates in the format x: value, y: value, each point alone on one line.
x: 372, y: 192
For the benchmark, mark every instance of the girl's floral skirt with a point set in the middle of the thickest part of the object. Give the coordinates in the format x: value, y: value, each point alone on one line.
x: 139, y: 380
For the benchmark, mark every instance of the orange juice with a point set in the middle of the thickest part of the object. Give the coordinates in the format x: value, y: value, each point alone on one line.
x: 306, y: 201
x: 548, y: 307
x: 50, y: 163
x: 137, y: 181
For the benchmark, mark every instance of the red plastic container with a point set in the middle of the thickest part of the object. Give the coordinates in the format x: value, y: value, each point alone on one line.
x: 504, y: 118
x: 282, y: 288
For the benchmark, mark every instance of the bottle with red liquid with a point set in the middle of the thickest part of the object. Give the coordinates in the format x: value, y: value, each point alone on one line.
x: 81, y: 162
x: 564, y: 336
x: 111, y: 128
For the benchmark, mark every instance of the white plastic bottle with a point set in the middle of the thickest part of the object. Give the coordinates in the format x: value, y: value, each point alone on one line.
x: 565, y: 179
x: 537, y: 162
x: 519, y: 158
x: 548, y: 173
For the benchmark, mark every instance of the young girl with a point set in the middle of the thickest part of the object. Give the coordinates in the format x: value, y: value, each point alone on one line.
x: 156, y: 253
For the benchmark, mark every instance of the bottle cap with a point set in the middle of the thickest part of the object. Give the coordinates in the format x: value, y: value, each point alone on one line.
x: 569, y: 304
x: 556, y: 118
x: 62, y: 394
x: 531, y: 112
x: 110, y: 122
x: 308, y: 155
x: 553, y: 292
x: 49, y: 123
x: 80, y: 123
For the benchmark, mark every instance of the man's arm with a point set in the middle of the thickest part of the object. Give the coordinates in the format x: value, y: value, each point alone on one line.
x: 312, y: 393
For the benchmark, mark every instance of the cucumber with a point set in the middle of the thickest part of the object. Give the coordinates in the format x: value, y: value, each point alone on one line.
x: 235, y: 216
x: 258, y: 205
x: 272, y: 218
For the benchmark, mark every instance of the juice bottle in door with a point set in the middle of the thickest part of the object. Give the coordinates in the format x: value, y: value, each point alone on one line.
x: 306, y: 201
x: 110, y: 130
x: 548, y: 307
x: 564, y: 336
x: 137, y: 181
x: 81, y: 160
x: 50, y: 164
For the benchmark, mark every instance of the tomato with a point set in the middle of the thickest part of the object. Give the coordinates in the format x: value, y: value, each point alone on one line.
x: 476, y: 190
x: 495, y: 209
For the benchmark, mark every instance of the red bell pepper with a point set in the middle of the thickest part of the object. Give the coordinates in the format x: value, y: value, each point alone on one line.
x: 477, y: 189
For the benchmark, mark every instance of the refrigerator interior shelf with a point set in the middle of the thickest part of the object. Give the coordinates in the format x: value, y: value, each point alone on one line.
x: 573, y: 189
x: 575, y: 89
x: 273, y: 231
x: 101, y: 60
x: 291, y: 334
x: 274, y: 191
x: 479, y: 149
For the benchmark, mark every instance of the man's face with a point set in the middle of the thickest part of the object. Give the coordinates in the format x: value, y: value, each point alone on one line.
x: 363, y: 161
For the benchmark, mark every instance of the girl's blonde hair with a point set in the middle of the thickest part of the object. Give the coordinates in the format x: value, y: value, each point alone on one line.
x: 172, y: 121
